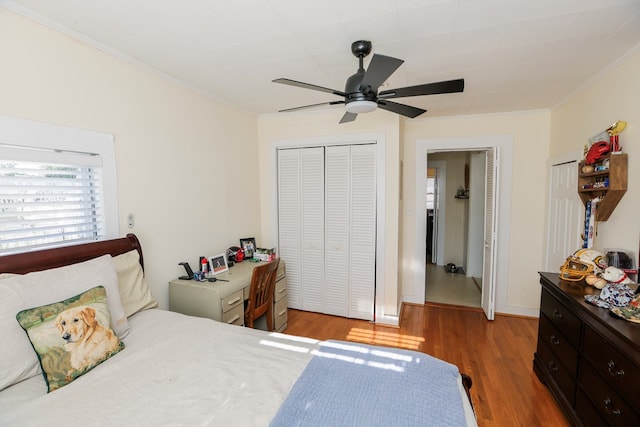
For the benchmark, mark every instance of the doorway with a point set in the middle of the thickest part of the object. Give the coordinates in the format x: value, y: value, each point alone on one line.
x: 497, y: 243
x: 454, y: 268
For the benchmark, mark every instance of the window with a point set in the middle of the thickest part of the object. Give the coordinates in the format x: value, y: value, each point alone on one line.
x: 53, y: 191
x: 431, y: 188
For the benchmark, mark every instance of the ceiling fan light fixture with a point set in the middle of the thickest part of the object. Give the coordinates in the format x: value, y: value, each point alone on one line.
x: 357, y: 107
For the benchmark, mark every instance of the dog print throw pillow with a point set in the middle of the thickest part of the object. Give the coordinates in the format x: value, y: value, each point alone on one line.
x: 71, y: 337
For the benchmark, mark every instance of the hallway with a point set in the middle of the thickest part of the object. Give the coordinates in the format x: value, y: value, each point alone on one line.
x: 451, y: 288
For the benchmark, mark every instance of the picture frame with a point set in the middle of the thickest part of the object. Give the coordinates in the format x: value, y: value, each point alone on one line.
x: 218, y: 264
x: 248, y: 245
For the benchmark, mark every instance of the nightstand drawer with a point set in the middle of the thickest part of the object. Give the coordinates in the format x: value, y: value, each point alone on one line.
x: 235, y: 316
x: 611, y: 365
x: 564, y: 381
x: 607, y: 401
x: 559, y: 344
x: 565, y: 321
x: 231, y: 301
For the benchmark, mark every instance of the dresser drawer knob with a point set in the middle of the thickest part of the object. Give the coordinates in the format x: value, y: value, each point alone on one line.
x: 611, y: 410
x: 557, y: 314
x: 553, y: 366
x: 554, y: 340
x: 613, y: 371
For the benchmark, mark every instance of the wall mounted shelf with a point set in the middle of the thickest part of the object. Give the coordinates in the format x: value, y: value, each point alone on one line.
x: 610, y: 184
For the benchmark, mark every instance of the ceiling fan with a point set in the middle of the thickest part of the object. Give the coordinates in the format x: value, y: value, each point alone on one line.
x: 361, y: 89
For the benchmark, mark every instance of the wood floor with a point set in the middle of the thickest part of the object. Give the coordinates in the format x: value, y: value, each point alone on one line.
x: 497, y: 355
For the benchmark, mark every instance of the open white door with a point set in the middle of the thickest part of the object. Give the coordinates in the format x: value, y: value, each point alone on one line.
x: 490, y: 233
x: 565, y: 215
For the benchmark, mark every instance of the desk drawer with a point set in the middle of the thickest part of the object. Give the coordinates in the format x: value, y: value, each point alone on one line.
x: 280, y: 313
x: 606, y: 400
x: 623, y: 376
x: 280, y: 290
x: 565, y: 321
x: 231, y: 301
x: 235, y: 316
x: 559, y: 344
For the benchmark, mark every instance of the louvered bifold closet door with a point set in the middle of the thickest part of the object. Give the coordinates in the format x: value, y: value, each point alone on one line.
x: 312, y: 198
x: 362, y: 232
x: 289, y: 221
x: 327, y: 228
x: 338, y: 223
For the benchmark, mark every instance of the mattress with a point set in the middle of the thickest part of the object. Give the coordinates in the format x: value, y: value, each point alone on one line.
x: 175, y: 370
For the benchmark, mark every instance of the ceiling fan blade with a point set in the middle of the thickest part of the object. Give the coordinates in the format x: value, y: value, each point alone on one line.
x: 308, y: 86
x: 405, y: 110
x: 380, y: 69
x: 310, y: 106
x: 348, y: 117
x: 449, y: 86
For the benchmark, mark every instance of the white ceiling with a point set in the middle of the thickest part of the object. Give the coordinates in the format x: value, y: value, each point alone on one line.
x: 513, y: 54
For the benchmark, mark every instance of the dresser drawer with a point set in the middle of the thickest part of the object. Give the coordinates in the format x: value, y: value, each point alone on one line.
x: 589, y: 415
x: 559, y: 344
x: 563, y: 379
x: 231, y: 301
x: 235, y: 316
x: 607, y: 401
x: 561, y: 317
x: 281, y: 289
x: 280, y: 314
x: 621, y: 374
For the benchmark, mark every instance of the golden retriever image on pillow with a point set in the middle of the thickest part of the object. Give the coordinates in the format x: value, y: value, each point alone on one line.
x: 86, y: 340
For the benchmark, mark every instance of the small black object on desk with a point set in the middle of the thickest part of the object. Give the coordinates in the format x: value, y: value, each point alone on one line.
x: 187, y: 268
x: 215, y: 279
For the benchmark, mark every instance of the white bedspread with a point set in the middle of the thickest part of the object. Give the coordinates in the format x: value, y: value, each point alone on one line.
x: 209, y: 373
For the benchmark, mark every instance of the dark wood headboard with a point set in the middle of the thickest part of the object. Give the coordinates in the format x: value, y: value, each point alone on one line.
x: 66, y: 255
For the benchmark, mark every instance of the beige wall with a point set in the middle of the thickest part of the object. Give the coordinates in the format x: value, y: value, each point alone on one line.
x: 530, y: 131
x: 198, y: 174
x: 187, y: 166
x: 616, y: 96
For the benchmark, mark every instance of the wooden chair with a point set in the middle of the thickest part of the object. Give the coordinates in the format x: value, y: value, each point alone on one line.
x: 261, y: 294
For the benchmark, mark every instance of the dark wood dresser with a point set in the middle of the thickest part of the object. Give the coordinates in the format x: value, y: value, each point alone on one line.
x: 588, y: 358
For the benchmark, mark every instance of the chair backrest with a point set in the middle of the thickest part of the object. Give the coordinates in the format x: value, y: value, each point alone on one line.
x: 261, y: 293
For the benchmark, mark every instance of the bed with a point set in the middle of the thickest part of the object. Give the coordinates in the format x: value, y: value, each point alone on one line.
x: 172, y: 369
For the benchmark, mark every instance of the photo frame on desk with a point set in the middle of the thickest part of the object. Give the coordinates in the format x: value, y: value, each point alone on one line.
x: 218, y: 264
x: 248, y: 245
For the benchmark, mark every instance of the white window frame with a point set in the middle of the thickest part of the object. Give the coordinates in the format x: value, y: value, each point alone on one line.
x: 23, y: 133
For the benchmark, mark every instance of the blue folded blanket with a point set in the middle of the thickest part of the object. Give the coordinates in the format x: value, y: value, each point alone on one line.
x: 351, y: 384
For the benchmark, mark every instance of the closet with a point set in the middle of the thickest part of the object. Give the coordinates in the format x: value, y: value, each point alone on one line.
x: 327, y: 228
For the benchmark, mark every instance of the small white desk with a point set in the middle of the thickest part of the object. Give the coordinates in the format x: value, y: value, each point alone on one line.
x: 223, y: 301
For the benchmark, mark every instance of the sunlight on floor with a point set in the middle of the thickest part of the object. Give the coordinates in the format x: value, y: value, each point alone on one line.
x: 384, y: 338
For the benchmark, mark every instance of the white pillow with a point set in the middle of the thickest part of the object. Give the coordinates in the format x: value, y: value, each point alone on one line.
x: 134, y: 290
x: 18, y: 361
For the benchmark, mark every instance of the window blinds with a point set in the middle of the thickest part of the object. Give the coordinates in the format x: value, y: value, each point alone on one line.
x: 49, y: 198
